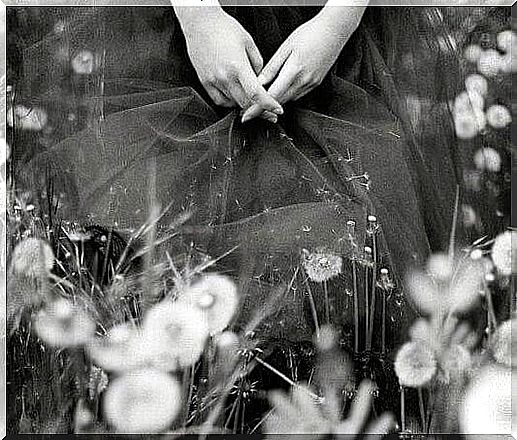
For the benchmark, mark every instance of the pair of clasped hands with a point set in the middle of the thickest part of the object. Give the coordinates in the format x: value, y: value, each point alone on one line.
x: 231, y: 69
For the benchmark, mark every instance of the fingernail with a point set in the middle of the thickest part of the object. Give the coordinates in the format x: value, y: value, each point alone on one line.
x: 245, y: 117
x: 278, y: 111
x: 272, y: 119
x: 261, y: 79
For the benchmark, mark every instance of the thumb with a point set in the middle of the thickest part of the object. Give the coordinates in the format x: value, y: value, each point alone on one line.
x: 274, y: 65
x: 254, y: 56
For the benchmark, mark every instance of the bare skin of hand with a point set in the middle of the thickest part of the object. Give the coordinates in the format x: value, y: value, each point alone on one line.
x: 306, y: 56
x: 226, y: 59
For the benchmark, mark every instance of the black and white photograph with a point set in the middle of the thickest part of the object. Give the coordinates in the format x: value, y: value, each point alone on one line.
x: 258, y: 218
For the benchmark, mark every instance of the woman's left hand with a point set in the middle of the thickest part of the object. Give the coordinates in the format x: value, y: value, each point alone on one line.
x: 305, y: 57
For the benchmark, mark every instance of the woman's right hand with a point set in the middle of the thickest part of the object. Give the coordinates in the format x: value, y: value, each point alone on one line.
x: 226, y: 59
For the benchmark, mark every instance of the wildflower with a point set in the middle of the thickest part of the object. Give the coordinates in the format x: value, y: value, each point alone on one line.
x: 440, y: 266
x: 487, y: 159
x: 24, y: 118
x: 321, y: 266
x: 62, y: 324
x: 502, y: 343
x: 174, y: 334
x: 78, y: 236
x: 498, y: 116
x: 505, y: 40
x: 227, y: 342
x: 472, y: 53
x: 420, y: 331
x: 142, y: 402
x: 476, y: 83
x: 489, y: 62
x: 423, y: 292
x: 415, y: 365
x: 502, y: 253
x: 466, y: 126
x: 455, y: 362
x: 119, y: 351
x: 216, y: 297
x: 83, y: 62
x: 487, y: 407
x: 32, y: 257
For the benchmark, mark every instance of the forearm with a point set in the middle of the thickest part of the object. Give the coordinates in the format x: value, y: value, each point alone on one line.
x: 193, y: 16
x: 343, y: 20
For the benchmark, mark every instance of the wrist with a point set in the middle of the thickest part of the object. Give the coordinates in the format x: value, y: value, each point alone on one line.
x: 193, y: 17
x: 341, y: 21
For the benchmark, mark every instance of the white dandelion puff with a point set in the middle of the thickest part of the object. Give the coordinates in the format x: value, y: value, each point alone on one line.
x: 120, y: 350
x: 216, y: 297
x: 175, y: 334
x: 62, y: 324
x: 83, y: 63
x: 32, y: 257
x: 505, y: 40
x: 472, y: 53
x: 455, y: 362
x: 465, y: 125
x: 502, y: 343
x: 24, y: 118
x: 142, y: 402
x: 415, y: 365
x: 488, y: 159
x: 487, y: 407
x: 476, y: 83
x: 498, y: 116
x: 502, y: 255
x: 321, y: 266
x: 489, y: 62
x: 439, y: 266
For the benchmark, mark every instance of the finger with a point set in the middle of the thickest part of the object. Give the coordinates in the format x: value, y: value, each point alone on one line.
x: 380, y: 427
x: 274, y: 65
x: 256, y: 111
x: 269, y: 116
x: 303, y: 400
x: 282, y: 405
x: 218, y: 97
x: 256, y: 60
x: 284, y: 81
x: 361, y: 406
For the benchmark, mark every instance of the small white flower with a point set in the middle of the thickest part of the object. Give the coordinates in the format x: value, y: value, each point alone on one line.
x: 32, y: 257
x: 488, y: 159
x: 83, y: 63
x: 489, y: 62
x: 487, y: 407
x: 321, y: 265
x: 216, y: 297
x: 175, y: 334
x: 503, y: 252
x: 24, y: 118
x: 498, y: 116
x: 415, y: 364
x: 472, y: 53
x: 142, y: 402
x: 502, y: 343
x: 62, y: 324
x: 476, y: 83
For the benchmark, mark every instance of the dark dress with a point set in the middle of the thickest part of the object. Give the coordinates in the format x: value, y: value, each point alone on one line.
x: 140, y: 127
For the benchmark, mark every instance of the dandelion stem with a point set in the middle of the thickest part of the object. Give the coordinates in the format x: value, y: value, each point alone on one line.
x: 367, y: 304
x: 327, y: 304
x: 383, y: 328
x: 374, y: 276
x: 452, y: 238
x: 285, y: 378
x: 356, y: 307
x: 422, y: 410
x: 402, y: 409
x: 313, y: 310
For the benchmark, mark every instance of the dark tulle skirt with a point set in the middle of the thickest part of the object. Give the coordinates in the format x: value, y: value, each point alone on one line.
x: 140, y: 130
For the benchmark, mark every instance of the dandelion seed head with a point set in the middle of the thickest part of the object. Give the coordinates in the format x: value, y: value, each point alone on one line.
x: 476, y: 83
x: 29, y: 119
x: 489, y: 62
x: 32, y: 257
x: 472, y: 53
x: 487, y: 406
x: 440, y: 266
x: 504, y: 259
x: 506, y: 39
x: 216, y: 297
x: 415, y: 365
x: 455, y: 363
x: 61, y: 324
x: 498, y: 116
x: 466, y: 126
x: 321, y: 265
x: 227, y: 341
x: 83, y: 63
x: 327, y: 338
x: 142, y: 402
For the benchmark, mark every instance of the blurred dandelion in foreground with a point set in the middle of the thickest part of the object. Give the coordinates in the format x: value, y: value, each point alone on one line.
x: 24, y: 118
x: 466, y: 126
x: 119, y: 351
x: 142, y: 402
x: 98, y: 381
x: 32, y: 257
x: 439, y: 266
x: 175, y: 334
x: 489, y: 62
x: 502, y: 257
x: 216, y: 297
x: 83, y: 63
x: 455, y: 363
x: 321, y: 266
x: 415, y: 365
x: 498, y: 116
x: 472, y: 53
x: 476, y: 83
x: 487, y: 407
x: 63, y: 324
x: 506, y: 40
x: 488, y: 159
x: 502, y: 342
